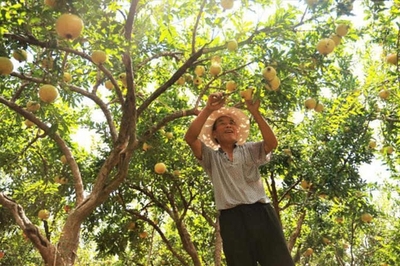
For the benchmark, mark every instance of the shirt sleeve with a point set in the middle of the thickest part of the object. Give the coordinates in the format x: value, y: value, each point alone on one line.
x: 257, y: 152
x: 206, y: 154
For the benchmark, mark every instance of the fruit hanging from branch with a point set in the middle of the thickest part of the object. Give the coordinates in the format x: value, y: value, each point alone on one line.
x: 69, y: 26
x: 160, y: 168
x: 48, y: 93
x: 310, y: 103
x: 20, y: 55
x: 232, y: 45
x: 227, y: 4
x: 6, y: 66
x: 392, y: 59
x: 342, y: 30
x: 215, y: 69
x: 99, y: 57
x: 247, y: 94
x: 230, y: 85
x: 325, y: 46
x: 43, y: 214
x: 67, y: 77
x: 274, y: 83
x: 32, y: 106
x: 199, y: 70
x: 269, y: 73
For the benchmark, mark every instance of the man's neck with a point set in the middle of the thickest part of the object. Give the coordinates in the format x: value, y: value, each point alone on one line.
x: 227, y: 147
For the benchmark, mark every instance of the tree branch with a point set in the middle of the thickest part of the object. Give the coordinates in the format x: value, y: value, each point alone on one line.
x: 60, y: 142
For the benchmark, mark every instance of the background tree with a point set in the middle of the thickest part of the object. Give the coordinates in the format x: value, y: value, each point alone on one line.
x: 134, y: 74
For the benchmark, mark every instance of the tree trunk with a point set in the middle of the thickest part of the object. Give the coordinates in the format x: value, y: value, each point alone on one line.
x: 188, y: 243
x: 64, y: 253
x: 296, y: 233
x: 218, y: 245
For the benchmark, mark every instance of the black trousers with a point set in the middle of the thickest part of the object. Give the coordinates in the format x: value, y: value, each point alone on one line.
x: 252, y: 233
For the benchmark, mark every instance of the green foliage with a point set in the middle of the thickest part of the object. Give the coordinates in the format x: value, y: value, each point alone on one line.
x: 144, y: 123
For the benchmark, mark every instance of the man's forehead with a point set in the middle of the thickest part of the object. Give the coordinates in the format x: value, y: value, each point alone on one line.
x: 224, y: 117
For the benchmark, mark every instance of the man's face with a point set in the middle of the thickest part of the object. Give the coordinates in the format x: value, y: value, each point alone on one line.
x: 225, y: 129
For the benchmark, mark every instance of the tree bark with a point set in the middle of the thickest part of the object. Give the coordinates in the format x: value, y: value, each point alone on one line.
x: 296, y: 233
x: 218, y: 245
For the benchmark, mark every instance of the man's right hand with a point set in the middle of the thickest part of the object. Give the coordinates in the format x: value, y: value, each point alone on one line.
x: 216, y: 101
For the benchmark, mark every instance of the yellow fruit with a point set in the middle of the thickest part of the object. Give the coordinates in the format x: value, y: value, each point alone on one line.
x: 325, y: 46
x: 372, y: 144
x: 274, y: 83
x: 67, y: 77
x: 143, y: 235
x: 181, y: 81
x: 122, y: 78
x: 247, y: 94
x: 310, y: 103
x: 43, y: 214
x: 308, y: 252
x: 48, y: 63
x: 269, y: 73
x: 366, y: 217
x: 20, y: 55
x: 227, y: 4
x: 188, y: 77
x: 176, y: 173
x: 342, y: 30
x: 387, y: 149
x: 6, y: 66
x: 384, y: 94
x: 169, y: 135
x: 197, y: 81
x: 29, y: 123
x: 232, y: 45
x: 336, y: 38
x: 339, y: 220
x: 319, y: 107
x: 146, y: 147
x: 63, y: 159
x: 230, y: 85
x: 305, y: 184
x: 99, y: 57
x: 56, y: 179
x: 50, y: 3
x: 160, y: 168
x: 32, y: 106
x: 69, y: 26
x: 63, y: 181
x: 216, y: 59
x: 392, y: 59
x: 326, y: 240
x: 48, y: 93
x: 322, y: 196
x: 287, y: 152
x: 199, y: 71
x: 108, y: 84
x: 131, y: 225
x: 215, y: 69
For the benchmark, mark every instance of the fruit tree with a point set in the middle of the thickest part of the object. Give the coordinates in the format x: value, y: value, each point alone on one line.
x: 96, y: 95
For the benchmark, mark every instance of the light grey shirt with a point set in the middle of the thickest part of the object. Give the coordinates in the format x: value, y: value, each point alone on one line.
x: 238, y: 181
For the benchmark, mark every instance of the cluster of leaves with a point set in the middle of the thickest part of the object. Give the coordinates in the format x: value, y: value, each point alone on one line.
x: 171, y: 218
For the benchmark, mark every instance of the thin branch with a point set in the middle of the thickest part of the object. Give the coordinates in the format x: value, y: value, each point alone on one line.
x: 171, y: 81
x: 59, y: 141
x: 196, y: 24
x: 130, y: 19
x: 33, y: 41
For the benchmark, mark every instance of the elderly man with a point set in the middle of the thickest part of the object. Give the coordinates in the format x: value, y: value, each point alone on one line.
x: 250, y: 229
